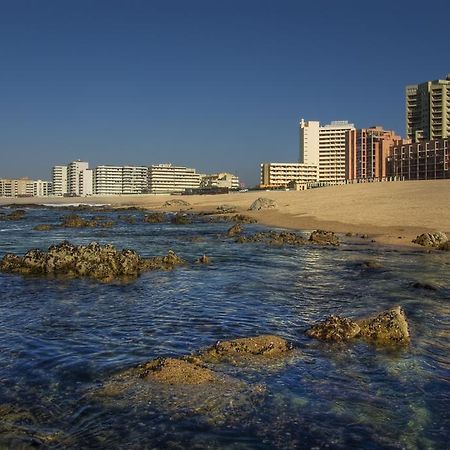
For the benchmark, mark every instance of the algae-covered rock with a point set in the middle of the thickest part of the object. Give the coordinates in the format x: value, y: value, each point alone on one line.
x: 175, y: 202
x: 388, y: 327
x: 249, y: 348
x: 444, y: 246
x: 263, y: 203
x: 334, y: 328
x: 75, y: 221
x: 274, y: 238
x: 154, y: 218
x: 180, y: 219
x: 43, y: 227
x: 100, y: 262
x: 18, y: 214
x: 235, y: 230
x: 323, y: 237
x: 431, y: 239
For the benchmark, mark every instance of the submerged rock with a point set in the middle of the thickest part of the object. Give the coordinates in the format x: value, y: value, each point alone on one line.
x: 43, y: 227
x: 274, y: 238
x: 204, y: 259
x: 75, y: 221
x: 175, y: 202
x: 334, y: 328
x: 100, y: 262
x: 322, y: 237
x: 431, y: 239
x: 154, y: 218
x: 387, y: 327
x: 18, y: 214
x: 235, y: 230
x: 243, y: 349
x: 180, y: 219
x: 263, y: 203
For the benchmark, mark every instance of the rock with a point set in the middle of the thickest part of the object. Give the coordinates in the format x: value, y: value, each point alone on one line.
x: 427, y: 286
x: 322, y: 237
x: 176, y: 202
x: 431, y: 239
x: 204, y: 259
x: 349, y: 234
x: 235, y: 230
x: 239, y: 350
x: 75, y: 221
x: 372, y: 265
x: 334, y: 329
x: 226, y: 209
x: 242, y: 218
x: 388, y: 327
x: 263, y: 203
x: 43, y: 227
x: 445, y: 246
x: 154, y: 218
x: 18, y: 214
x: 128, y: 219
x: 180, y: 219
x: 100, y: 262
x: 364, y: 236
x: 274, y: 238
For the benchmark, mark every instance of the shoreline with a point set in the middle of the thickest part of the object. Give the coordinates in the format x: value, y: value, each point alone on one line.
x: 389, y: 213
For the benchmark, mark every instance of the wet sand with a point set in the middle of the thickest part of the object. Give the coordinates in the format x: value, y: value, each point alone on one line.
x: 390, y: 213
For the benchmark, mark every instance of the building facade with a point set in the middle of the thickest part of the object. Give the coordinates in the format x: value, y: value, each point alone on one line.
x: 80, y: 179
x: 367, y: 151
x: 220, y: 180
x: 24, y: 187
x: 169, y: 179
x: 428, y: 110
x: 118, y: 180
x: 279, y: 175
x: 424, y: 160
x: 325, y: 146
x: 134, y: 179
x: 41, y: 188
x: 59, y: 180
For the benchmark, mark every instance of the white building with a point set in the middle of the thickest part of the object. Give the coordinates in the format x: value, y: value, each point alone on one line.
x: 118, y: 180
x: 220, y: 180
x: 275, y: 175
x: 168, y: 179
x: 325, y: 145
x: 80, y: 180
x: 59, y: 180
x: 41, y: 188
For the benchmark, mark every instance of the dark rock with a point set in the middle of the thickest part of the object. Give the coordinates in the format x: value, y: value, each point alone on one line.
x: 43, y: 227
x: 154, y: 218
x: 235, y: 230
x: 75, y: 221
x: 100, y: 262
x: 427, y: 286
x: 274, y: 238
x: 18, y: 214
x: 263, y: 203
x: 322, y: 237
x: 242, y: 218
x: 180, y: 219
x: 364, y: 236
x: 431, y: 239
x: 334, y: 328
x: 373, y: 265
x: 204, y: 259
x: 349, y: 234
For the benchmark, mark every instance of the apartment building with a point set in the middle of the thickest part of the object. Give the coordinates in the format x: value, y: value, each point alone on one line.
x: 325, y: 146
x: 367, y: 153
x: 279, y: 175
x: 59, y: 180
x: 428, y: 110
x: 424, y: 160
x: 80, y: 179
x: 220, y: 180
x: 41, y: 188
x: 168, y: 179
x: 118, y: 180
x: 23, y: 187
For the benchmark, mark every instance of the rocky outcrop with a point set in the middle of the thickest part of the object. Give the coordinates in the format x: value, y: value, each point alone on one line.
x: 263, y: 203
x: 242, y: 218
x: 240, y: 350
x: 43, y: 227
x: 100, y: 262
x: 387, y: 328
x: 75, y: 221
x: 154, y: 218
x: 274, y: 238
x: 181, y: 219
x: 18, y: 214
x: 334, y: 329
x: 323, y: 237
x: 226, y: 209
x: 431, y: 239
x: 235, y: 230
x: 445, y: 246
x: 175, y: 202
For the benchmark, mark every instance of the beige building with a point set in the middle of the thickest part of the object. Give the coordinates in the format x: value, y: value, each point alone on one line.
x: 118, y: 180
x: 59, y: 180
x: 169, y: 179
x: 325, y: 146
x: 279, y: 175
x: 23, y: 187
x: 220, y: 180
x: 428, y: 110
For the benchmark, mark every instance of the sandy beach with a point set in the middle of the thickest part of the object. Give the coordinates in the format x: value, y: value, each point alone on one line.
x: 390, y: 213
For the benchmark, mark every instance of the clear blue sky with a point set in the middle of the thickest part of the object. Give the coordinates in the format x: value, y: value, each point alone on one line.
x: 215, y: 85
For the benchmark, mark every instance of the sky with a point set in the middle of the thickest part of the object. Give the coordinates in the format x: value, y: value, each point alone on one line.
x: 218, y: 85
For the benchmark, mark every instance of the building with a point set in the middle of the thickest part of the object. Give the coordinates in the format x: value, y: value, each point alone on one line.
x: 220, y: 180
x: 325, y: 146
x: 41, y: 188
x: 367, y: 153
x: 424, y: 160
x: 169, y: 179
x: 279, y: 175
x: 59, y: 180
x: 80, y: 180
x: 23, y: 187
x: 118, y: 180
x: 428, y: 110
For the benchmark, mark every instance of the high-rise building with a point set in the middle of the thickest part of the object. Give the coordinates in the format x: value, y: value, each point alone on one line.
x: 220, y: 180
x: 59, y: 180
x: 134, y: 179
x: 23, y: 187
x: 168, y: 179
x: 424, y: 160
x: 118, y: 180
x: 428, y: 110
x: 325, y: 146
x: 278, y: 175
x: 79, y: 179
x: 41, y: 188
x: 367, y: 153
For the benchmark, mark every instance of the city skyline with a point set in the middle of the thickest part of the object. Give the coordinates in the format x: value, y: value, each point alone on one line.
x: 216, y: 87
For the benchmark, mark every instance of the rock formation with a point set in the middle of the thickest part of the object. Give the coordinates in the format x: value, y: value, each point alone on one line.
x: 263, y: 203
x: 334, y: 328
x: 175, y: 202
x: 322, y: 237
x: 431, y: 239
x: 43, y: 227
x: 154, y: 218
x: 235, y: 230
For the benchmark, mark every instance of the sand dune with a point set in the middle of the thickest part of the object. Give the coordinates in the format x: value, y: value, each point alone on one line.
x: 388, y: 212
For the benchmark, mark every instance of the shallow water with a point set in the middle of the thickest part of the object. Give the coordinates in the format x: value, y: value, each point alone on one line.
x: 61, y: 339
